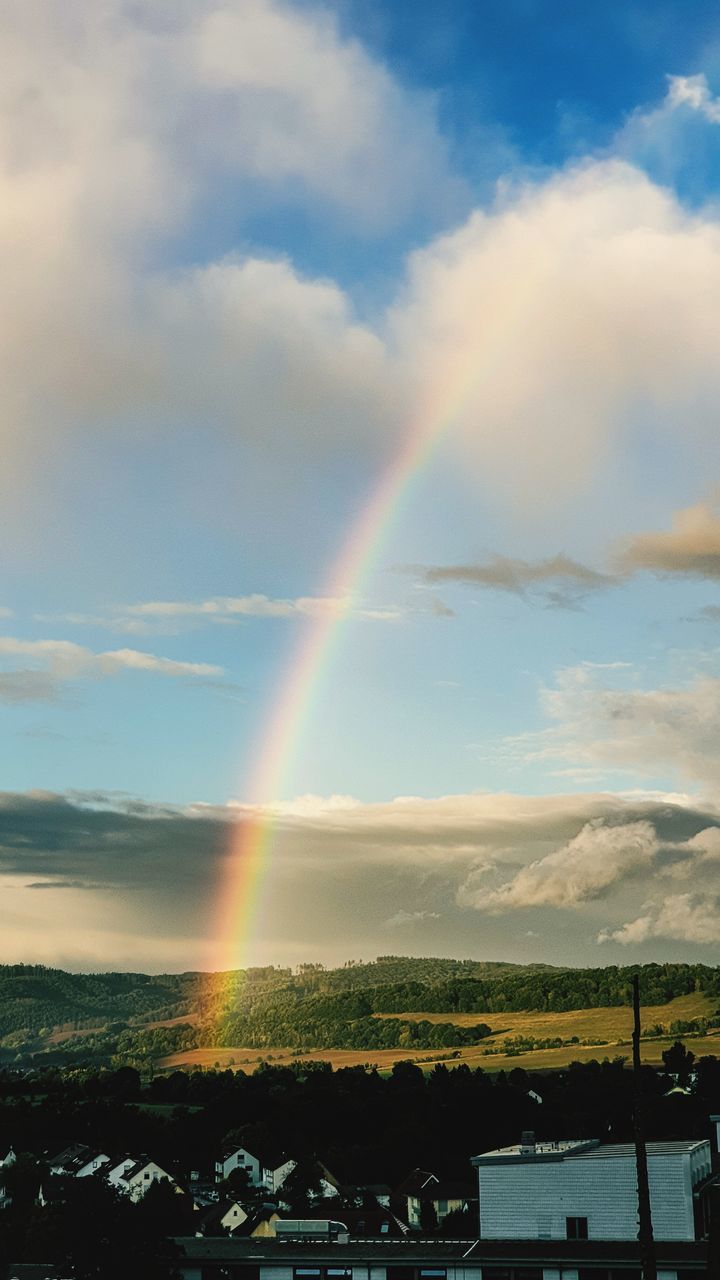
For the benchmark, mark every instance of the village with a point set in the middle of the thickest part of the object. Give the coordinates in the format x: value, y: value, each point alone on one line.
x: 534, y: 1210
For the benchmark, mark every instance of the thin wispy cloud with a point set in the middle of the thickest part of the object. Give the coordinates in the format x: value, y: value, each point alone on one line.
x: 168, y: 616
x: 558, y: 580
x: 58, y: 663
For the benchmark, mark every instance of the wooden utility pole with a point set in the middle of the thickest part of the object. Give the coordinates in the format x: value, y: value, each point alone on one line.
x: 648, y: 1262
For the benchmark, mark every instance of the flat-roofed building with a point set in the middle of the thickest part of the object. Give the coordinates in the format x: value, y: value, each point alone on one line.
x: 580, y: 1190
x: 415, y: 1259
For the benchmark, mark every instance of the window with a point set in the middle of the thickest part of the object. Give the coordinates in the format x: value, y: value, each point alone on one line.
x: 497, y: 1273
x: 432, y: 1273
x: 400, y: 1273
x: 577, y: 1228
x: 322, y: 1273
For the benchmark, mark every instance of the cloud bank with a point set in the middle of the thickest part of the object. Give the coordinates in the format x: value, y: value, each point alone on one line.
x: 469, y: 872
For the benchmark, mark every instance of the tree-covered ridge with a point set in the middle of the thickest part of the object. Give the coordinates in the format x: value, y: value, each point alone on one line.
x: 33, y: 998
x: 313, y: 1007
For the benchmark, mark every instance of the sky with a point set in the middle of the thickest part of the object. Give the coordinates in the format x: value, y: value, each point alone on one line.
x: 360, y: 371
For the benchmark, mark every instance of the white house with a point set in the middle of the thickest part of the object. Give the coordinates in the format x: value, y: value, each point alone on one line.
x: 239, y: 1158
x: 8, y: 1159
x: 134, y: 1177
x: 91, y: 1164
x: 580, y: 1190
x: 69, y: 1159
x: 275, y: 1173
x: 115, y: 1174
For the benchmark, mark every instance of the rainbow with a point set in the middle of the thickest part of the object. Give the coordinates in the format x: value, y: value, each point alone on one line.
x: 253, y: 836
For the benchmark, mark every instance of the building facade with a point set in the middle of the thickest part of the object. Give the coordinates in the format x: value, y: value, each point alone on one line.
x: 585, y: 1191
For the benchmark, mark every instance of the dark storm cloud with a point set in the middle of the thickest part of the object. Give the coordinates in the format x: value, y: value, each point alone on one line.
x: 337, y: 872
x: 105, y: 839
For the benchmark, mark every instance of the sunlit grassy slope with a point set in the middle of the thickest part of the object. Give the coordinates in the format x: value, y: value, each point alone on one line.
x: 612, y: 1025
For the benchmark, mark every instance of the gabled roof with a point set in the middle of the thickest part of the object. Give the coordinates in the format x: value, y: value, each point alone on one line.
x: 231, y: 1148
x: 212, y: 1218
x: 415, y: 1182
x: 67, y: 1155
x: 264, y: 1213
x: 141, y: 1163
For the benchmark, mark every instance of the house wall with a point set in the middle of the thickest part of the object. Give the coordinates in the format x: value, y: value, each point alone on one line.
x: 442, y: 1209
x: 240, y: 1159
x: 234, y: 1217
x: 92, y: 1166
x: 532, y: 1200
x: 115, y: 1175
x: 140, y: 1183
x: 274, y: 1178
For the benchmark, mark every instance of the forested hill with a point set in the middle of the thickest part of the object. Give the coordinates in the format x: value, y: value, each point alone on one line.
x: 311, y: 1004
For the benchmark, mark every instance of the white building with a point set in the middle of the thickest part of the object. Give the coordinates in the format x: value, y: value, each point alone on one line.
x: 132, y: 1177
x: 239, y: 1158
x: 276, y: 1172
x: 91, y: 1165
x: 579, y: 1190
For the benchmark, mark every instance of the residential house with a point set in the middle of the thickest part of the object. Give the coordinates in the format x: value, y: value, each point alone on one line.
x: 276, y: 1170
x: 239, y: 1158
x: 377, y: 1191
x: 68, y: 1158
x: 133, y: 1176
x: 76, y: 1161
x: 221, y: 1218
x: 580, y: 1190
x: 90, y: 1164
x: 422, y: 1196
x: 260, y: 1225
x: 8, y: 1159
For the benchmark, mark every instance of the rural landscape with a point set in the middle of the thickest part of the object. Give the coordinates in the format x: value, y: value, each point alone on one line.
x: 396, y: 1008
x: 360, y: 640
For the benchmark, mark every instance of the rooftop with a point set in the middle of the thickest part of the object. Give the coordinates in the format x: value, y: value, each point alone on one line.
x: 584, y: 1149
x: 557, y: 1149
x: 625, y: 1150
x: 383, y: 1252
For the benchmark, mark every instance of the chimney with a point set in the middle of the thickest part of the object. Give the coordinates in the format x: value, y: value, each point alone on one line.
x: 527, y: 1143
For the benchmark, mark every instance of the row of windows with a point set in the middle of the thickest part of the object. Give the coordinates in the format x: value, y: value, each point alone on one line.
x: 245, y: 1272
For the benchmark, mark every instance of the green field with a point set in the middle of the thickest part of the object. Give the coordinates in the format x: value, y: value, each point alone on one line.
x: 608, y: 1029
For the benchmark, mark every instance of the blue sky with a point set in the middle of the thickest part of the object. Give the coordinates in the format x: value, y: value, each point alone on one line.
x: 245, y: 244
